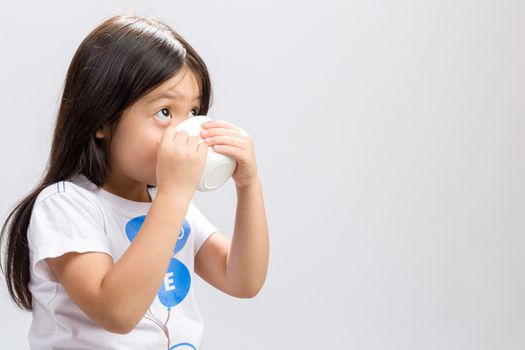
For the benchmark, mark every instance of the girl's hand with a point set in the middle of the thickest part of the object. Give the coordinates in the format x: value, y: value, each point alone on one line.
x: 236, y: 143
x: 180, y: 162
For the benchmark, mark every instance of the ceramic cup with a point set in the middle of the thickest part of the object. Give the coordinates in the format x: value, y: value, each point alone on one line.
x: 218, y: 168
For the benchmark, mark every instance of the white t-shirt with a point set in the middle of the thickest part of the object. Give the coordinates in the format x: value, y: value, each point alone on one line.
x: 78, y: 216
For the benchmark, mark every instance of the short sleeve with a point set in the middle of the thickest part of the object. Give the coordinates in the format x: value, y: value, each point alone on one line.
x: 64, y: 222
x: 203, y: 227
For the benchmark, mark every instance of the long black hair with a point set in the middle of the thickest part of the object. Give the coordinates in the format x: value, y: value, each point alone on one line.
x: 121, y: 60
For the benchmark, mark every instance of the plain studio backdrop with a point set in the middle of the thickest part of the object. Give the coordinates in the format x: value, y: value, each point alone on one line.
x: 390, y: 142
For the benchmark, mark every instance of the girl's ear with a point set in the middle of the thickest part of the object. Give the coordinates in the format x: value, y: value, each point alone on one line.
x: 101, y: 132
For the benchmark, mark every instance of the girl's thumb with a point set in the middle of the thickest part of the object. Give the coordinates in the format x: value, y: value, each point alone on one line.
x: 168, y: 134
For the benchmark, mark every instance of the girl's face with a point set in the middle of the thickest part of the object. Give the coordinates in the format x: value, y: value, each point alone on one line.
x: 133, y: 153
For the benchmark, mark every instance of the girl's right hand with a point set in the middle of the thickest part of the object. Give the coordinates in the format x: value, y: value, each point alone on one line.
x: 180, y: 162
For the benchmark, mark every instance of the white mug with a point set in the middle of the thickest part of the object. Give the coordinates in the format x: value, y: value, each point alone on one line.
x: 218, y: 167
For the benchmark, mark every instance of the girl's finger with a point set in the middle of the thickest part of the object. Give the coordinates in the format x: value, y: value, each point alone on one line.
x: 221, y: 123
x: 202, y: 147
x: 227, y: 140
x: 221, y: 131
x: 168, y: 135
x: 231, y: 151
x: 193, y: 141
x: 181, y: 138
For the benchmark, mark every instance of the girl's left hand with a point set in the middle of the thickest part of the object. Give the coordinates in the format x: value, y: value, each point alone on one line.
x: 236, y: 143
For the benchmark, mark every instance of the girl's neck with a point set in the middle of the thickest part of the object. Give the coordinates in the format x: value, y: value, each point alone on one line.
x: 132, y: 190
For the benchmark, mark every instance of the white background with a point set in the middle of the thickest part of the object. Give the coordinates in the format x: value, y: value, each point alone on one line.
x: 390, y: 144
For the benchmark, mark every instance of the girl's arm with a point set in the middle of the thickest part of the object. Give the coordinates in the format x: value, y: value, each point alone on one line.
x: 117, y: 295
x: 239, y: 267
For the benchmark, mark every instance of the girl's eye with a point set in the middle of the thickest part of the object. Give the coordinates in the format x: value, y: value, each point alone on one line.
x: 164, y: 112
x: 196, y: 111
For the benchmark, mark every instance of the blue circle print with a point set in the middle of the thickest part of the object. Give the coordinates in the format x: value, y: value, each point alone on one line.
x: 177, y: 280
x: 183, y: 346
x: 133, y: 226
x: 176, y: 284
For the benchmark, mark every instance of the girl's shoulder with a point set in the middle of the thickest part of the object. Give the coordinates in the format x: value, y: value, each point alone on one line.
x: 78, y: 187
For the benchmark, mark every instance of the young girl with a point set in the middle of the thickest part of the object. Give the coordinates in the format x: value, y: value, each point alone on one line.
x: 104, y: 249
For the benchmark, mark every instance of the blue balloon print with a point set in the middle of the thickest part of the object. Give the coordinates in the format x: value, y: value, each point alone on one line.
x: 177, y: 280
x: 183, y: 346
x: 133, y: 226
x: 176, y: 284
x: 184, y: 233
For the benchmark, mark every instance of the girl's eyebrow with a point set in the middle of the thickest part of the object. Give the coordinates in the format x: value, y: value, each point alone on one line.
x: 169, y: 95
